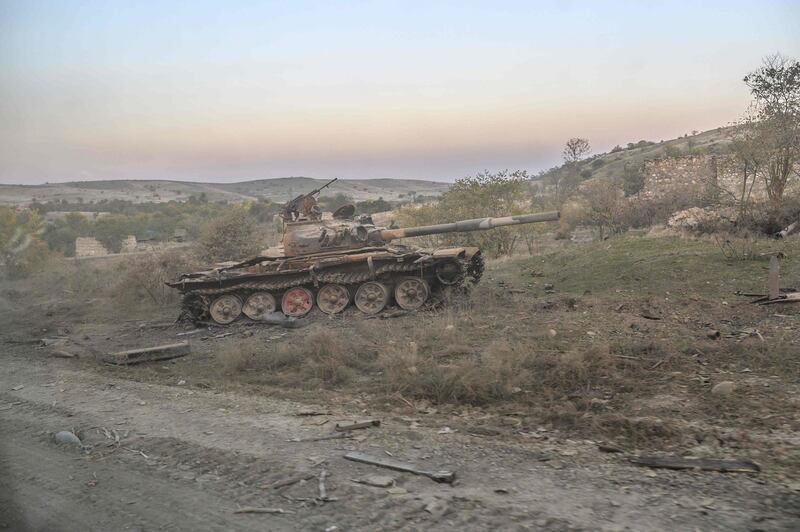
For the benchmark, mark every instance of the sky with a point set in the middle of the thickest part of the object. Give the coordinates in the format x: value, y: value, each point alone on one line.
x: 230, y: 91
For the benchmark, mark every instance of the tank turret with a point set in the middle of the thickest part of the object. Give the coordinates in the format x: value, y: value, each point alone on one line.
x: 312, y: 236
x: 330, y: 263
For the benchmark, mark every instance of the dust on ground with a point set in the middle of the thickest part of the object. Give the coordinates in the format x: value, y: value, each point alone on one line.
x: 617, y: 342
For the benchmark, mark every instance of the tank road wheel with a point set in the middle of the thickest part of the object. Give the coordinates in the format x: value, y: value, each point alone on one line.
x: 332, y: 298
x: 259, y: 304
x: 371, y: 297
x: 297, y: 301
x: 449, y: 272
x: 411, y: 293
x: 225, y: 309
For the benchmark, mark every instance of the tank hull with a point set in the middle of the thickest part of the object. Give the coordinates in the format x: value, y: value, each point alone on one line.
x: 331, y: 282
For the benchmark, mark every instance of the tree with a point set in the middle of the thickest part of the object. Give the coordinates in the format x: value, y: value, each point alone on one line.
x: 632, y: 179
x: 21, y: 249
x: 576, y: 149
x: 232, y: 236
x: 603, y: 204
x: 478, y: 196
x: 772, y: 127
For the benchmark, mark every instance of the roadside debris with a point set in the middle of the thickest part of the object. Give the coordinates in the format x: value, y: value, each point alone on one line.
x: 775, y: 294
x: 704, y: 464
x: 47, y: 342
x: 58, y: 353
x: 447, y: 477
x: 606, y: 448
x: 256, y: 510
x: 17, y: 387
x: 341, y: 435
x: 66, y: 436
x: 280, y: 319
x: 189, y: 333
x: 723, y: 388
x: 312, y: 413
x: 323, y: 492
x: 148, y: 354
x: 377, y: 481
x: 788, y: 230
x: 437, y: 508
x: 356, y: 426
x: 289, y: 481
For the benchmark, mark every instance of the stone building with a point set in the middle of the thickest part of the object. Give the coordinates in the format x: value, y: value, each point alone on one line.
x: 712, y: 178
x: 86, y: 246
x: 128, y: 245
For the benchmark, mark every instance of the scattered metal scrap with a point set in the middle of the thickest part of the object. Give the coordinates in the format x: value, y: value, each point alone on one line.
x: 356, y: 426
x: 447, y: 477
x: 257, y: 510
x: 160, y: 352
x: 775, y: 294
x: 704, y: 464
x: 289, y: 481
x: 338, y: 436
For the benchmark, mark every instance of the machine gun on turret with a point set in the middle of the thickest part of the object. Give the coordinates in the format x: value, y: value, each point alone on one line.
x: 305, y: 206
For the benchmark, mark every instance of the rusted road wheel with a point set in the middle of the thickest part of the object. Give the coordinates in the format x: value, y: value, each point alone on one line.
x: 297, y: 301
x: 411, y: 293
x: 258, y: 305
x: 333, y: 298
x: 225, y: 309
x: 371, y: 297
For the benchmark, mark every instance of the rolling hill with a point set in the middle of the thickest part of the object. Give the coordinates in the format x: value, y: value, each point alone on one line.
x: 612, y: 164
x: 278, y: 189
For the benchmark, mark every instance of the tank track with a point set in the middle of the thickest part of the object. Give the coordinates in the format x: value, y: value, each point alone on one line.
x: 196, y: 303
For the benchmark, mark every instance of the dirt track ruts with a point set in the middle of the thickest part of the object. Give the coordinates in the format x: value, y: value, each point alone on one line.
x: 205, y: 453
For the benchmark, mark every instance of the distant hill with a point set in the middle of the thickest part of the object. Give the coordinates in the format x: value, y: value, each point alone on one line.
x: 612, y: 164
x: 278, y: 189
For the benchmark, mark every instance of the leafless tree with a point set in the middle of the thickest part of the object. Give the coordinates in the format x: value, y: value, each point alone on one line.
x: 576, y: 149
x: 769, y: 136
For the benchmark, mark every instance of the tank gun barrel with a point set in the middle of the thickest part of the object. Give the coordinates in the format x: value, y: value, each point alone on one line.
x: 465, y: 226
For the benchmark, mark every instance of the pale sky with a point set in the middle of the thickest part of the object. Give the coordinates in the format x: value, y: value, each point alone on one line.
x: 229, y: 91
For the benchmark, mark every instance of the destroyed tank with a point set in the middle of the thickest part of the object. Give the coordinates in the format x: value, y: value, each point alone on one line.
x: 333, y: 263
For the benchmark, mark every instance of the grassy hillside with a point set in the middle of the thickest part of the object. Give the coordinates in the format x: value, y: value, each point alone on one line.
x: 612, y: 164
x: 279, y: 190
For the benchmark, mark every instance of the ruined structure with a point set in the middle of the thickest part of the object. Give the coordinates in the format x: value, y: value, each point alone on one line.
x: 86, y: 246
x: 711, y: 178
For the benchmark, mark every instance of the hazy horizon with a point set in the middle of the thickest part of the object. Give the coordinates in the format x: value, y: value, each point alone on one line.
x: 195, y: 91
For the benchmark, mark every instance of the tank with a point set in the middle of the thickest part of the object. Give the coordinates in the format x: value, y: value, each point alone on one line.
x: 331, y: 264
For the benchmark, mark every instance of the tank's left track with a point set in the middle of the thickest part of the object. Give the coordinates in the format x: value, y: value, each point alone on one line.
x: 409, y: 284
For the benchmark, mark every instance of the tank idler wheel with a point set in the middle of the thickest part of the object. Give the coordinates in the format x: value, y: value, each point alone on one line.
x: 258, y: 305
x: 411, y: 293
x: 225, y: 309
x: 372, y: 297
x: 333, y: 298
x: 297, y: 301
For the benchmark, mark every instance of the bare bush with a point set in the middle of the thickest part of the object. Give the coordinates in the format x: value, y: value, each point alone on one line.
x: 142, y: 279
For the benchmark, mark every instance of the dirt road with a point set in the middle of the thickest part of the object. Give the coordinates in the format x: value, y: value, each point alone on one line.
x: 187, y: 458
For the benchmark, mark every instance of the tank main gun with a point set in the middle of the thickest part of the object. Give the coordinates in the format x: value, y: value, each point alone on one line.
x: 311, y: 236
x: 466, y: 226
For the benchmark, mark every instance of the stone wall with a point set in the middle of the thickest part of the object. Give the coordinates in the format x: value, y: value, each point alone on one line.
x: 128, y: 245
x: 86, y: 246
x: 711, y: 178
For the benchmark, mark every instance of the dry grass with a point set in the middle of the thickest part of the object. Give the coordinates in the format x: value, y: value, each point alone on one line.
x: 320, y: 357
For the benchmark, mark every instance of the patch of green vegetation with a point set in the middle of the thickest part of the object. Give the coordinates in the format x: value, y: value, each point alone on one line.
x: 636, y: 264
